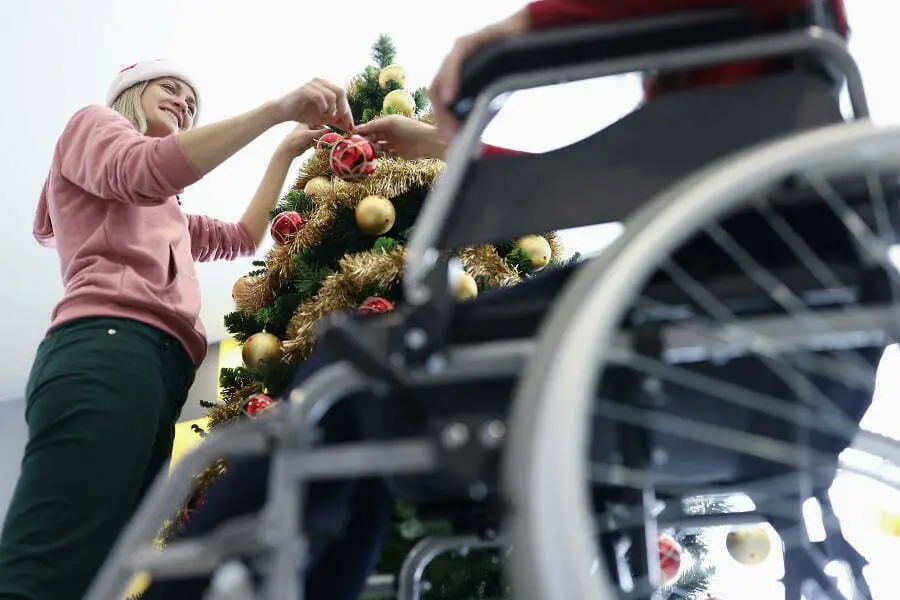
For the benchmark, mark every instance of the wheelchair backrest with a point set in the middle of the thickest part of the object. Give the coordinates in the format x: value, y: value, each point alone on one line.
x: 607, y: 176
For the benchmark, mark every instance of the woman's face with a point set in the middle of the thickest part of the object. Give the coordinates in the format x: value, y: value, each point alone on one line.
x: 169, y: 105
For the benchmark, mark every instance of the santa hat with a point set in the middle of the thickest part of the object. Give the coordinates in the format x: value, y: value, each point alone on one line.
x: 147, y: 71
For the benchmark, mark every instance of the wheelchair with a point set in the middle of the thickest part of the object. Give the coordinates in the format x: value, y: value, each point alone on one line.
x: 726, y: 342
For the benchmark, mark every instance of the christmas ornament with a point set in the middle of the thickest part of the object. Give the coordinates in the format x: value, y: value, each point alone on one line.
x: 318, y: 187
x: 352, y: 158
x: 375, y: 305
x: 669, y: 557
x: 392, y: 73
x: 257, y: 403
x: 375, y: 215
x: 748, y: 546
x: 241, y: 288
x: 260, y: 347
x: 401, y: 101
x: 327, y: 139
x: 462, y: 285
x: 285, y: 226
x: 537, y: 248
x: 889, y: 522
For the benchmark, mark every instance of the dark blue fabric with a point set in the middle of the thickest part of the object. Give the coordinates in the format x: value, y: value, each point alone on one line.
x: 346, y: 520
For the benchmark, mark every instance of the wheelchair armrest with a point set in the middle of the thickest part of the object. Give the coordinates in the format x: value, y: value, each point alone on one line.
x: 593, y: 42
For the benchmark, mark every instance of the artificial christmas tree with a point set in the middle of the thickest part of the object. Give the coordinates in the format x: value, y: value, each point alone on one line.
x: 339, y: 246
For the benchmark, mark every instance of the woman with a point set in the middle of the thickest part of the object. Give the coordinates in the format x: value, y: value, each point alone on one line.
x: 111, y: 376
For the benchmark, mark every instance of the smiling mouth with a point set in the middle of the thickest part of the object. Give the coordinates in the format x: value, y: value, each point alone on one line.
x: 174, y: 117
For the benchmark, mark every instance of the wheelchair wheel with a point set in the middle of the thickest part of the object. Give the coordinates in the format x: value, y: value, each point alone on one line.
x: 726, y: 344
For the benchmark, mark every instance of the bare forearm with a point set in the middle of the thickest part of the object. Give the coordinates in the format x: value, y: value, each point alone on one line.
x: 256, y: 217
x: 433, y: 145
x: 210, y: 145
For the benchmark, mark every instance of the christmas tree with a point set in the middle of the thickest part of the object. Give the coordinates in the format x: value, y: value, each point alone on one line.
x: 339, y: 246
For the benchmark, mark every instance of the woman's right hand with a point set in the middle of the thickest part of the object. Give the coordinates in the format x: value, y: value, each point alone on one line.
x: 316, y: 103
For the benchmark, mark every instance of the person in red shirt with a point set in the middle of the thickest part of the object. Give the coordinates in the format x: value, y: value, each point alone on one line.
x: 548, y: 14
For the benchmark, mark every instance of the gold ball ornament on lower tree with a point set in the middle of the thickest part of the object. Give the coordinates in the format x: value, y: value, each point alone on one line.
x: 400, y: 101
x: 537, y: 248
x: 375, y: 215
x: 749, y: 546
x: 392, y: 73
x: 259, y: 347
x: 318, y: 187
x: 462, y: 285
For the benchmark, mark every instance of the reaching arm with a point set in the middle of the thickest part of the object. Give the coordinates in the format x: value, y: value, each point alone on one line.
x: 256, y: 216
x: 101, y: 152
x: 215, y: 240
x: 212, y: 239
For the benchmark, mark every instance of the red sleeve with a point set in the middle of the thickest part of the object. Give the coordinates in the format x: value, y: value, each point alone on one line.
x: 101, y: 152
x: 212, y: 239
x: 546, y: 14
x: 488, y: 150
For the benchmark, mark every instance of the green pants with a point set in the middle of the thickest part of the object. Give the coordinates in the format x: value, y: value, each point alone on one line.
x: 102, y: 401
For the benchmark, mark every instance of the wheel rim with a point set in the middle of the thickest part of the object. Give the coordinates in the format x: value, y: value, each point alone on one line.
x: 545, y: 463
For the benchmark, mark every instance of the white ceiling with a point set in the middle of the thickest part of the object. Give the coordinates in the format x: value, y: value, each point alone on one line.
x: 57, y: 56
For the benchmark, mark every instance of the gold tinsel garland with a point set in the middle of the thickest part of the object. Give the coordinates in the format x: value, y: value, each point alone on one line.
x: 340, y: 291
x: 391, y: 179
x: 483, y: 261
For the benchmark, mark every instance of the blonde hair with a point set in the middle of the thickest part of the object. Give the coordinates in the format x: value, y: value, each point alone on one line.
x: 128, y: 104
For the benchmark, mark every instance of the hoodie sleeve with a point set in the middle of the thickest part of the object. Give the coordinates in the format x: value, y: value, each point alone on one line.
x: 546, y: 14
x: 212, y: 239
x: 101, y: 152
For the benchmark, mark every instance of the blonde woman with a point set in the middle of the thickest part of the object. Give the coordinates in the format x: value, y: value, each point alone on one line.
x: 110, y: 377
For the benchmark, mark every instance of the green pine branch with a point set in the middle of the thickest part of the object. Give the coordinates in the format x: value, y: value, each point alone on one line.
x: 384, y: 52
x: 421, y: 98
x: 242, y: 325
x: 296, y: 201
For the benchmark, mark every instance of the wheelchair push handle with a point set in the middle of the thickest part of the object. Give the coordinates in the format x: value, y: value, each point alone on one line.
x: 560, y: 55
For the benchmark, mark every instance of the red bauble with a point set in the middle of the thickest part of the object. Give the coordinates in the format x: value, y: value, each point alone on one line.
x: 327, y: 139
x: 285, y: 226
x: 669, y: 557
x: 257, y: 403
x: 352, y: 158
x: 375, y: 305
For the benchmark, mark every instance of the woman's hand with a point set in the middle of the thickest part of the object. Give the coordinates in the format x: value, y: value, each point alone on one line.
x: 404, y: 137
x: 317, y: 102
x: 445, y: 86
x: 298, y: 141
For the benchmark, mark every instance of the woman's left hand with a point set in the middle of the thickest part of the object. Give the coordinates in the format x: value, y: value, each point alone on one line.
x: 301, y: 139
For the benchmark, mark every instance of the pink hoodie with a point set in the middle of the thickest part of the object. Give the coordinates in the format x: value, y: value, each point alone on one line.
x: 126, y: 248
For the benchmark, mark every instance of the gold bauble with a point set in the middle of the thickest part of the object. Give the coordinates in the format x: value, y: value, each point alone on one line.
x: 241, y: 288
x: 375, y: 215
x: 463, y: 285
x: 889, y: 522
x: 259, y: 347
x: 401, y: 101
x: 749, y: 546
x: 537, y: 248
x: 318, y: 187
x: 390, y: 73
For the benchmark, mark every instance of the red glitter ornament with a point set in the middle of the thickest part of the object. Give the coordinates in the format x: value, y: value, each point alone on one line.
x: 285, y: 226
x: 375, y: 305
x: 327, y: 139
x: 352, y: 158
x: 669, y: 557
x: 257, y: 403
